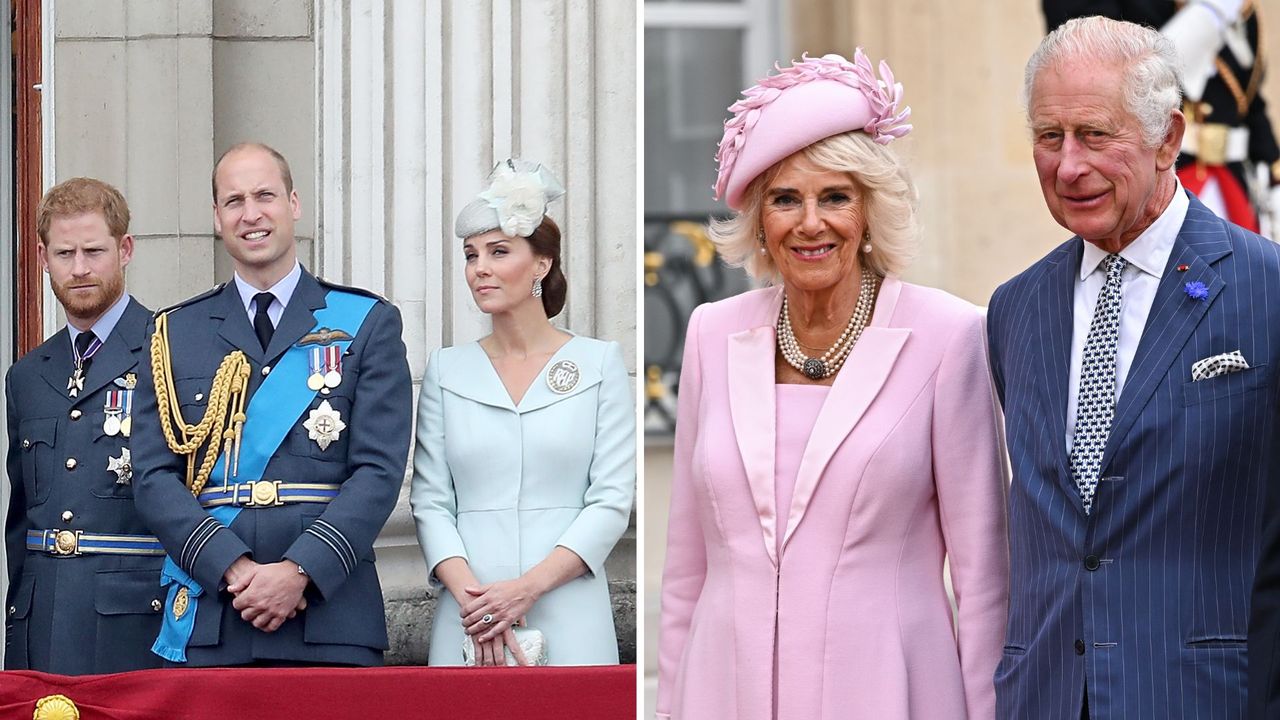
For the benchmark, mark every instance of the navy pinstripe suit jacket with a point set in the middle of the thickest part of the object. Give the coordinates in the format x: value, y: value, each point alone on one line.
x: 1146, y: 600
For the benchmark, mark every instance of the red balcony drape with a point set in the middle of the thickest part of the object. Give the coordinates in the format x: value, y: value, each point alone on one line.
x: 560, y: 693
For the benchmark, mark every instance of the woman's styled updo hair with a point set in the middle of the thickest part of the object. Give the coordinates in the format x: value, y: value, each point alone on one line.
x: 545, y: 241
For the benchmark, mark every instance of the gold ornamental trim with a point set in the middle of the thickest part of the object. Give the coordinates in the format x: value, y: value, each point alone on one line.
x: 56, y: 707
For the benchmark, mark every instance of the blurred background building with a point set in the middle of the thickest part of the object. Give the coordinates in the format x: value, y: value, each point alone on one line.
x: 981, y: 210
x: 391, y: 113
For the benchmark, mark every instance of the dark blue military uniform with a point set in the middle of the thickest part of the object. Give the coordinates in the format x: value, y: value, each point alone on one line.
x: 344, y: 621
x: 71, y: 610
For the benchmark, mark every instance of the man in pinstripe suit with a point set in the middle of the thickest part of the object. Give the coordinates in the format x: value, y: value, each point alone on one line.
x: 1134, y: 363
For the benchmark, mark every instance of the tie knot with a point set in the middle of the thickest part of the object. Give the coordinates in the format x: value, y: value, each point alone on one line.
x: 1114, y: 265
x: 262, y: 301
x: 83, y: 341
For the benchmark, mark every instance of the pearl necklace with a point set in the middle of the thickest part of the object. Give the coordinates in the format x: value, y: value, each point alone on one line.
x: 833, y: 359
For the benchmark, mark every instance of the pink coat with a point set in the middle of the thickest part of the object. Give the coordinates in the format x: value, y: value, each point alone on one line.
x: 904, y: 466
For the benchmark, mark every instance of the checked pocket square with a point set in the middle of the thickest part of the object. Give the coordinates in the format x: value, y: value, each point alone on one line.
x: 1218, y: 365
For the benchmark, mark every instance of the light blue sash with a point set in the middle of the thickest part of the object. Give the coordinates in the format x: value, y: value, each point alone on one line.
x: 272, y: 412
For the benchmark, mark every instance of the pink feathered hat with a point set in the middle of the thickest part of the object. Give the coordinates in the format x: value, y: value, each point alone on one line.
x: 813, y: 99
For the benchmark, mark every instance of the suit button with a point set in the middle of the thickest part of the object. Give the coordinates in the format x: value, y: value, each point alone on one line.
x: 199, y: 397
x: 71, y: 463
x: 12, y: 610
x: 67, y: 515
x: 156, y: 605
x: 1079, y: 647
x: 266, y: 370
x: 75, y: 414
x: 1091, y: 563
x: 26, y: 442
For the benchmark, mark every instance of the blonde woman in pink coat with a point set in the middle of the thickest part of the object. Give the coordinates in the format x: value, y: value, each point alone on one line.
x: 836, y: 438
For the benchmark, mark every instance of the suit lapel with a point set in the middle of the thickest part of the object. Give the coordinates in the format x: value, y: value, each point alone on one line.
x: 118, y: 353
x: 1057, y: 302
x: 1173, y: 318
x: 751, y: 381
x: 856, y: 385
x: 298, y: 318
x: 235, y: 327
x: 58, y: 365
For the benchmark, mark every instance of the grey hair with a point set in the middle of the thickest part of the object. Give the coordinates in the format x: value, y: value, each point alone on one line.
x: 890, y: 198
x: 1152, y: 87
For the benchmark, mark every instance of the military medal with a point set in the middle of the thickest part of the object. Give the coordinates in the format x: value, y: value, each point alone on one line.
x: 563, y: 377
x: 126, y: 422
x: 315, y: 379
x: 75, y: 383
x: 324, y: 424
x: 333, y: 366
x: 122, y: 467
x: 114, y: 409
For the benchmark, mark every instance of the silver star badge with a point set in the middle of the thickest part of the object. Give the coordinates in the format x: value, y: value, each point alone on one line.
x: 323, y: 425
x: 122, y: 467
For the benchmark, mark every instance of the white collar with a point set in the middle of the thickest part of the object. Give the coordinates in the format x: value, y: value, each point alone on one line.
x: 1150, y: 251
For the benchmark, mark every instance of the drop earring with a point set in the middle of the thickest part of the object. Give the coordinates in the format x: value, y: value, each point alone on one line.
x: 537, y: 287
x: 760, y: 237
x: 866, y: 242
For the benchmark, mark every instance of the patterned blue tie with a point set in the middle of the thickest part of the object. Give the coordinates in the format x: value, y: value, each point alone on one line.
x: 1096, y: 398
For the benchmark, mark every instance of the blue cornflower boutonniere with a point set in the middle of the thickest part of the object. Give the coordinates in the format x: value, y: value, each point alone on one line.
x: 1196, y: 290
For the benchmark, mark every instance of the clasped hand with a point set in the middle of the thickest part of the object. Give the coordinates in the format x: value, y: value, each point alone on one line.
x: 266, y: 595
x: 506, y: 602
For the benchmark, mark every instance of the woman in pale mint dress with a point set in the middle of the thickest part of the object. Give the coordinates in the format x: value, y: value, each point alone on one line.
x: 524, y: 470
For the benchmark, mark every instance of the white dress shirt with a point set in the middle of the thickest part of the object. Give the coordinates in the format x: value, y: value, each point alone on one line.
x: 282, y: 290
x: 1147, y: 256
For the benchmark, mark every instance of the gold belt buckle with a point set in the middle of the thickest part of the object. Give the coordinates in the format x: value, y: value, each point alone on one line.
x: 264, y: 493
x: 1211, y: 144
x: 66, y: 542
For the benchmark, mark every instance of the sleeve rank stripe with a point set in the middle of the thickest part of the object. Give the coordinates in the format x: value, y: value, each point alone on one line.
x: 351, y: 553
x: 196, y: 541
x: 345, y: 567
x: 186, y: 546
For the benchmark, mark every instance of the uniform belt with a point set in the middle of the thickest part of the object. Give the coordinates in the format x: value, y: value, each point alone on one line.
x: 268, y: 493
x: 1216, y: 143
x: 79, y: 542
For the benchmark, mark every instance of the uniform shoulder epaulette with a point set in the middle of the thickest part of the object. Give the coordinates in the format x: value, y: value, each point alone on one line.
x: 351, y: 289
x: 194, y: 299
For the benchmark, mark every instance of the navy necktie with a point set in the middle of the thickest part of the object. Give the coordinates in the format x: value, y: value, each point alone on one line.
x: 262, y: 326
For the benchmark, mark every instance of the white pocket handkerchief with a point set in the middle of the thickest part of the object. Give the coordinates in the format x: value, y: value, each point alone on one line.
x: 1218, y: 365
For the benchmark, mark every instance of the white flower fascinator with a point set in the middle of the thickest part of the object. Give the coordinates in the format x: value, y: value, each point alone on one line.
x: 514, y: 200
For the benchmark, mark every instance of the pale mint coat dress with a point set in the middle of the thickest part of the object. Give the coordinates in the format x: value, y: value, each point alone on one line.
x: 502, y: 485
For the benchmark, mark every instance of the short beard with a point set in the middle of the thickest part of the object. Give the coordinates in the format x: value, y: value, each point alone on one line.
x: 108, y: 292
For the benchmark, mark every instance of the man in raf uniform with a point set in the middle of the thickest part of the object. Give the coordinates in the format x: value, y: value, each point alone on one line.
x: 270, y: 445
x: 83, y: 567
x: 1229, y: 158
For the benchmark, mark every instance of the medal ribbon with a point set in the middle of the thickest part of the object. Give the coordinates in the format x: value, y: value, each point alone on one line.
x: 274, y: 408
x: 94, y: 346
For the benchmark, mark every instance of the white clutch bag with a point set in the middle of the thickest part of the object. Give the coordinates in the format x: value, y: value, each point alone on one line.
x: 532, y: 643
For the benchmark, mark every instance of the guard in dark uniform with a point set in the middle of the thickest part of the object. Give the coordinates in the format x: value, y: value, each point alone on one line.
x: 1229, y: 153
x: 84, y: 570
x: 271, y: 445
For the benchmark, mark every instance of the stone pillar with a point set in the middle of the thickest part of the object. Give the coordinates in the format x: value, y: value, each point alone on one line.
x: 132, y: 100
